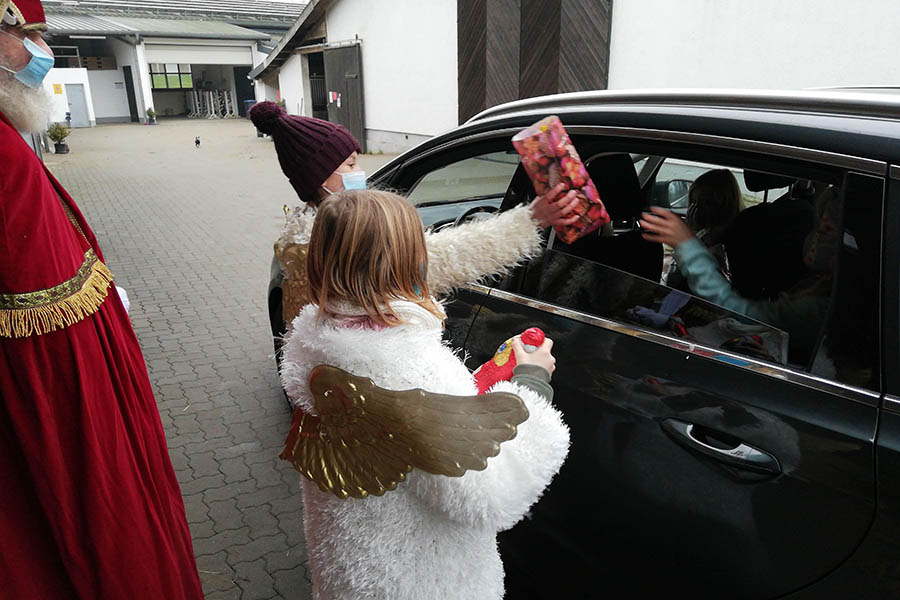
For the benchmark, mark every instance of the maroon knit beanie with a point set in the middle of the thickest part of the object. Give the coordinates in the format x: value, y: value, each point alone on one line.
x: 309, y: 150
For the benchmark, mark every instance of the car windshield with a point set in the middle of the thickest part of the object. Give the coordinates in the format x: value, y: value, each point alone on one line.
x: 483, y: 176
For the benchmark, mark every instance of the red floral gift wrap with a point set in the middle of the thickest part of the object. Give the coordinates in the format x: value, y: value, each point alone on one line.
x: 550, y: 158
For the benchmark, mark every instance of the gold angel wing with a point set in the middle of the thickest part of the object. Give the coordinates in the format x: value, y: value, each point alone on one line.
x: 365, y: 439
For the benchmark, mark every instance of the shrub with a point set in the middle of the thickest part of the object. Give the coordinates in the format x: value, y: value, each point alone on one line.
x: 58, y: 132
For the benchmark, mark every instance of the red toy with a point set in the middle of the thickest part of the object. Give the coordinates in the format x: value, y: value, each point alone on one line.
x: 500, y: 367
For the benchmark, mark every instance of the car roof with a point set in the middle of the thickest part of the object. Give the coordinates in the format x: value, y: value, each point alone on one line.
x: 860, y: 124
x: 834, y: 102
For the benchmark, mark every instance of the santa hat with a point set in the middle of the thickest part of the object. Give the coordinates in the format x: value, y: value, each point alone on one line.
x: 27, y: 14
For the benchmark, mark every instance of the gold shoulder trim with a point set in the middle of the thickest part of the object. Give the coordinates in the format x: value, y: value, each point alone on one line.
x: 43, y: 311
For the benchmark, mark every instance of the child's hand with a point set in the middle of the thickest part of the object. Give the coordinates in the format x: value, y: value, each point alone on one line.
x: 554, y: 208
x: 540, y: 357
x: 662, y: 225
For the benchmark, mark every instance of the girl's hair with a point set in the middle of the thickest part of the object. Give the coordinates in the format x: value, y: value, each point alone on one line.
x: 714, y: 201
x: 366, y: 249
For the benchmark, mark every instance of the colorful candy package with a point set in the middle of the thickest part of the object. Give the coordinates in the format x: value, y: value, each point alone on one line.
x: 550, y: 158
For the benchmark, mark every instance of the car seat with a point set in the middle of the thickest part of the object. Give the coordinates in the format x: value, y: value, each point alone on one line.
x: 764, y: 243
x: 617, y: 183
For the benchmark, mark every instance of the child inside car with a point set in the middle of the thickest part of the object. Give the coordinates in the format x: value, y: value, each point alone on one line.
x: 800, y: 312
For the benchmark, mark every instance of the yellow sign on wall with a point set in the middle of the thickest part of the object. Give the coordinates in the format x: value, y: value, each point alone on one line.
x: 57, y: 88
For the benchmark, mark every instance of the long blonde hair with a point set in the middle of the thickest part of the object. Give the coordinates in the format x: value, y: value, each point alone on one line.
x: 367, y: 248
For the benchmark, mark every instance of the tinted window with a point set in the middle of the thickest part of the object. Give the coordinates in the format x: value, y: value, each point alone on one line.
x: 603, y: 291
x: 487, y: 175
x: 802, y: 275
x: 848, y: 349
x: 675, y: 170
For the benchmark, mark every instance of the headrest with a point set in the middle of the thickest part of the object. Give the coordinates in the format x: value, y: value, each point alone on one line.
x: 757, y: 181
x: 618, y: 185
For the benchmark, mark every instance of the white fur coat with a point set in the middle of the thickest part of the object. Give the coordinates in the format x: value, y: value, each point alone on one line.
x: 456, y: 255
x: 434, y: 537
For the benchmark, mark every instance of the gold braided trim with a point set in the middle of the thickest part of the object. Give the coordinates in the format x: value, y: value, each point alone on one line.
x: 36, y: 313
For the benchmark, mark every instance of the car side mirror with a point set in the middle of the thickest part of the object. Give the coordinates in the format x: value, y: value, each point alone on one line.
x: 677, y: 192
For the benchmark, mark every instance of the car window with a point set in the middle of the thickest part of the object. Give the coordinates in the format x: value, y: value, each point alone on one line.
x: 483, y: 176
x: 600, y: 290
x: 848, y: 348
x: 801, y: 276
x: 675, y: 176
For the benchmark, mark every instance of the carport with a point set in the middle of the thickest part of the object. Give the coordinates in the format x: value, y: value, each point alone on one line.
x: 174, y: 66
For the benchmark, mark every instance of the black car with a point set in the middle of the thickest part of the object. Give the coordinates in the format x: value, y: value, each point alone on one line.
x: 713, y: 455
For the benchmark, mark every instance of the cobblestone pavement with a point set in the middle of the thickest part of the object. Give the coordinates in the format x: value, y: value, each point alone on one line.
x: 188, y: 233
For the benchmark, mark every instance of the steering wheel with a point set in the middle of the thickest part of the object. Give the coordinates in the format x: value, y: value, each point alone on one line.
x: 485, y: 208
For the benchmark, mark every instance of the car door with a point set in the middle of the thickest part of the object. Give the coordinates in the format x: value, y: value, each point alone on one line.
x: 695, y: 469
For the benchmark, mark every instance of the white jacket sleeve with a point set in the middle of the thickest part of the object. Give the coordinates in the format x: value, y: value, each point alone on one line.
x: 459, y: 255
x: 499, y: 496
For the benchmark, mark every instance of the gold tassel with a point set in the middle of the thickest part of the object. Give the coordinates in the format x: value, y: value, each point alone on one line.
x: 37, y: 320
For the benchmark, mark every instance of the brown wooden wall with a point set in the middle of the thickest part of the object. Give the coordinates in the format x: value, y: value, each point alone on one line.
x: 510, y: 49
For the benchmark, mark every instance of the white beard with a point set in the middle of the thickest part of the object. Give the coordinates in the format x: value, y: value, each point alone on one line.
x: 27, y: 109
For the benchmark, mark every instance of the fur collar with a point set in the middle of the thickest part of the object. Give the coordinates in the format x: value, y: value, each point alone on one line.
x: 414, y: 316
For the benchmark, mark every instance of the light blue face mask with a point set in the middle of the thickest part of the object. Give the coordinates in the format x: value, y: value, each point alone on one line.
x: 355, y: 180
x: 37, y: 68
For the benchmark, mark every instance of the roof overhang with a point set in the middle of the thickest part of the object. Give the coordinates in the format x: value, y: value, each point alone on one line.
x: 293, y: 39
x: 131, y: 26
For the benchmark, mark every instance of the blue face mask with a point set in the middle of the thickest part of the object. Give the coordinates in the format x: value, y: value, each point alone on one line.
x: 37, y: 68
x: 355, y: 180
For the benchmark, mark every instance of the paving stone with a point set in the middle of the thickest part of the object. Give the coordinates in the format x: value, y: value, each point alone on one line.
x: 287, y: 559
x: 196, y: 509
x: 231, y: 490
x: 203, y: 464
x: 234, y: 593
x: 255, y: 582
x: 225, y: 514
x: 201, y: 484
x: 202, y: 530
x: 257, y: 548
x: 261, y: 521
x: 263, y: 496
x: 292, y: 583
x: 225, y: 540
x: 234, y: 469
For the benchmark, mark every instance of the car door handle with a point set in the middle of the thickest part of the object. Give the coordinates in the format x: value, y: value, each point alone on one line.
x: 736, y: 454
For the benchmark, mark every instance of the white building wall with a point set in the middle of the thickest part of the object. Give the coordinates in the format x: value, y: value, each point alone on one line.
x: 110, y: 96
x: 259, y: 87
x: 126, y: 55
x: 409, y: 66
x: 144, y: 91
x: 60, y: 101
x: 290, y: 84
x: 760, y: 44
x: 266, y: 88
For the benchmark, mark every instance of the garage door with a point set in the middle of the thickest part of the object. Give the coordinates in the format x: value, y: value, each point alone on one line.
x: 199, y: 55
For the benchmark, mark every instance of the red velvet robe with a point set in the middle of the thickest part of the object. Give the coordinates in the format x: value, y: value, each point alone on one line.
x: 89, y: 503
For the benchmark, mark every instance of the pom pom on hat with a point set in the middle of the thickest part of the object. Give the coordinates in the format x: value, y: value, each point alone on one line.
x: 265, y: 116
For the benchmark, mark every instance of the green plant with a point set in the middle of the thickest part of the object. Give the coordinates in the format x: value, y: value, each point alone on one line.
x: 151, y: 114
x: 282, y: 103
x: 58, y: 133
